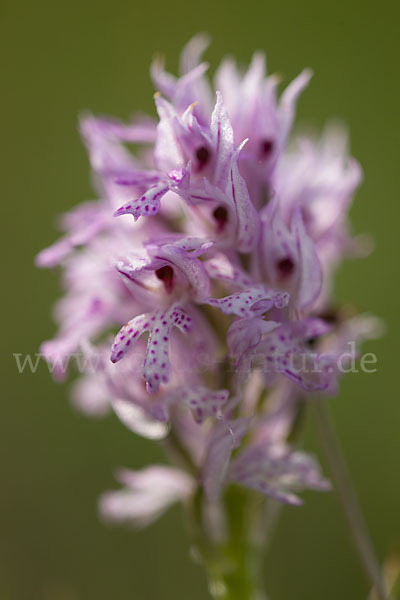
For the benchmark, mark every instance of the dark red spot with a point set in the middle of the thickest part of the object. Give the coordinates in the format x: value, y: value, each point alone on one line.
x: 266, y: 148
x: 311, y: 342
x: 285, y: 268
x: 220, y: 214
x: 166, y: 274
x: 203, y: 156
x: 331, y: 316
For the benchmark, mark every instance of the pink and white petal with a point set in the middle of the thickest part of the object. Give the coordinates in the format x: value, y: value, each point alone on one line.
x: 157, y: 476
x: 81, y: 232
x: 309, y: 328
x: 135, y: 177
x: 287, y: 105
x: 182, y: 253
x: 140, y: 131
x: 278, y: 245
x: 156, y: 367
x: 184, y: 89
x: 254, y: 78
x: 224, y: 438
x: 251, y: 302
x: 58, y: 353
x: 193, y: 51
x: 90, y: 396
x: 306, y: 472
x: 129, y: 333
x: 204, y: 402
x: 145, y: 206
x: 54, y: 254
x: 228, y: 80
x: 284, y: 352
x: 192, y: 268
x: 107, y: 154
x: 168, y: 151
x: 276, y: 471
x: 222, y: 269
x: 248, y: 221
x: 139, y: 421
x: 196, y: 246
x: 222, y: 136
x: 245, y: 334
x: 164, y: 82
x: 148, y: 494
x: 310, y: 270
x: 273, y: 492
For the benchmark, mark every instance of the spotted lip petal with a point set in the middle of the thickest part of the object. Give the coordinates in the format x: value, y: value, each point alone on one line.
x: 128, y: 334
x: 147, y: 205
x: 156, y: 364
x: 156, y: 367
x: 285, y: 351
x: 251, y: 302
x: 204, y: 402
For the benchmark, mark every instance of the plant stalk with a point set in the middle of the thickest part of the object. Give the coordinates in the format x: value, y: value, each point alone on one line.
x: 233, y: 563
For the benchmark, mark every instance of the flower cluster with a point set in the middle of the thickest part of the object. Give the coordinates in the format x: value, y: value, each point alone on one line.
x: 212, y: 250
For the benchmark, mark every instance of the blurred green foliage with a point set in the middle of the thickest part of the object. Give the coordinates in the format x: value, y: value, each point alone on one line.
x: 59, y: 58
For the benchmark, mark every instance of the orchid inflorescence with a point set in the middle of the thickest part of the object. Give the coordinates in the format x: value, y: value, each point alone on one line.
x: 212, y: 249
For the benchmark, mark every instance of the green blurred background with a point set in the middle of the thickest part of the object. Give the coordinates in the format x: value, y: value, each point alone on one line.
x: 59, y: 58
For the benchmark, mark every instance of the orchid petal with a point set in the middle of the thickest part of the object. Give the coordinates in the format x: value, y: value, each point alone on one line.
x: 310, y: 282
x: 148, y: 493
x: 224, y: 438
x: 146, y: 205
x: 251, y: 302
x: 156, y: 368
x: 222, y: 135
x: 248, y: 221
x: 204, y: 402
x: 139, y: 421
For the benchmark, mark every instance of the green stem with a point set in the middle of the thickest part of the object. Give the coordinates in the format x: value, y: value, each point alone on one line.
x: 348, y: 499
x: 233, y: 564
